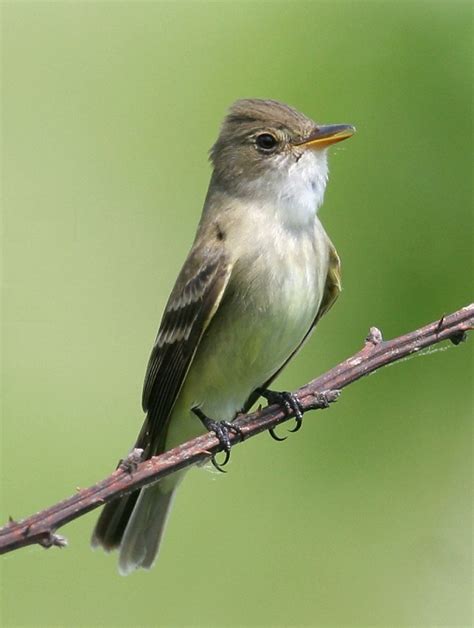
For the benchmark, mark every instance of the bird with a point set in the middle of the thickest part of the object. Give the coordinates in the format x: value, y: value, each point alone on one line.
x: 260, y: 274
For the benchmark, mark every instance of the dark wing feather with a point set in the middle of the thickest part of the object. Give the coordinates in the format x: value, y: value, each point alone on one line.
x: 332, y: 289
x: 190, y: 308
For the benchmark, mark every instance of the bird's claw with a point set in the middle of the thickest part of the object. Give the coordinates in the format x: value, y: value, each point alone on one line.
x: 274, y: 435
x: 289, y: 402
x: 222, y: 430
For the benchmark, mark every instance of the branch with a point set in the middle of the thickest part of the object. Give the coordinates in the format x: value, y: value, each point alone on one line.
x: 132, y: 474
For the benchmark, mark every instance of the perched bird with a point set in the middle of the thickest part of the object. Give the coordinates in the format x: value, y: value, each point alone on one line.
x: 260, y: 274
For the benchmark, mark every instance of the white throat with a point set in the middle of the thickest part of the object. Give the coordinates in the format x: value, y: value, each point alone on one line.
x: 293, y: 190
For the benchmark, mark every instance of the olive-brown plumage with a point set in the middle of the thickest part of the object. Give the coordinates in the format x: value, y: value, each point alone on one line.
x: 260, y: 274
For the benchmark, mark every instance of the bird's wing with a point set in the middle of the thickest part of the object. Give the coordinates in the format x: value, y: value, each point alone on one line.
x: 191, y: 306
x: 332, y: 288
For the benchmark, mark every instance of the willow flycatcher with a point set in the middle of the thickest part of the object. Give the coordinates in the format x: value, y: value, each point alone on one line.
x: 260, y: 274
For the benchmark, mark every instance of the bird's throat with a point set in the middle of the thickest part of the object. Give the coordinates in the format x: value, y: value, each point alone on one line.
x: 293, y: 192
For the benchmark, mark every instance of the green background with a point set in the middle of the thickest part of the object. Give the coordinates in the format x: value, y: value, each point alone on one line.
x: 364, y: 517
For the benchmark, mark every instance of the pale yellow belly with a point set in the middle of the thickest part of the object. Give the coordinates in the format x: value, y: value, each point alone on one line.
x: 251, y: 336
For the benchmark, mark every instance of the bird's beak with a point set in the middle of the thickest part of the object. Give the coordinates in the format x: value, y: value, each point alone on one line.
x: 327, y: 134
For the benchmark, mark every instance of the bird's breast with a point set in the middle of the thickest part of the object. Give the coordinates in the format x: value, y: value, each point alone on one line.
x: 271, y: 302
x: 268, y: 308
x: 278, y: 291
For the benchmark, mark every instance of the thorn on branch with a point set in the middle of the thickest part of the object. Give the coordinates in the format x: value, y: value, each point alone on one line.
x: 53, y: 540
x: 374, y: 337
x: 131, y: 462
x: 440, y: 323
x: 205, y: 452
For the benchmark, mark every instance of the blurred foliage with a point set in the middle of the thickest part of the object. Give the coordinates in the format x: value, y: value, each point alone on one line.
x: 364, y: 517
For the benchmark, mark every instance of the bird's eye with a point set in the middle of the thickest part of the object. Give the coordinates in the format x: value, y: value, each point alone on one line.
x: 266, y: 141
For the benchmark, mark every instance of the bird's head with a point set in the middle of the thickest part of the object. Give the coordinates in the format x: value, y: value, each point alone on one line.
x: 268, y: 148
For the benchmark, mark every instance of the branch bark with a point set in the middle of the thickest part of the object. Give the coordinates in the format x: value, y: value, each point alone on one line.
x: 41, y: 527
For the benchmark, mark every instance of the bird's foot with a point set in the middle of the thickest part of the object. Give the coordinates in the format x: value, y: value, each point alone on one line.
x: 290, y: 404
x: 222, y: 430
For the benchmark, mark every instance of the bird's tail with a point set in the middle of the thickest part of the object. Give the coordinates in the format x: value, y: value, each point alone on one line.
x: 135, y: 523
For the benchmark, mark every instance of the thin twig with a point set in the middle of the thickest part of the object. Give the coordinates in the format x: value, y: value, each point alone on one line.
x: 132, y: 474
